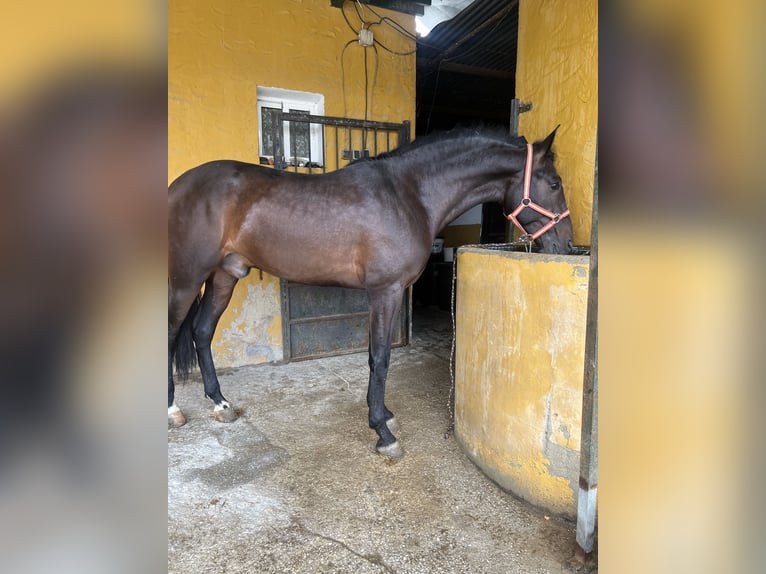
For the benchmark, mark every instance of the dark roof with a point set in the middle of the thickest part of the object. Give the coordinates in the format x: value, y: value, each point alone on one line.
x: 466, y: 67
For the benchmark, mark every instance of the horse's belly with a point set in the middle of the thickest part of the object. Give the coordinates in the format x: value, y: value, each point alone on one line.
x: 316, y: 250
x: 305, y: 263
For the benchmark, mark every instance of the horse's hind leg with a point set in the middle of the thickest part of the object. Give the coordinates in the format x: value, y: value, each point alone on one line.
x: 218, y: 290
x: 384, y: 307
x: 181, y: 309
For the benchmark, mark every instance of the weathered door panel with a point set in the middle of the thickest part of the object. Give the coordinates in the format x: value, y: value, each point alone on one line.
x: 327, y: 321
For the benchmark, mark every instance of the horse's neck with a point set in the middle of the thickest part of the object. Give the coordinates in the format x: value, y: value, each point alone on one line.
x: 462, y: 177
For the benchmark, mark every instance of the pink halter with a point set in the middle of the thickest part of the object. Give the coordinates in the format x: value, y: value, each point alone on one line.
x: 526, y: 202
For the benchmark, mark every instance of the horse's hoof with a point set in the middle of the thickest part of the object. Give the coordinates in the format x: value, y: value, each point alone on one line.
x: 176, y: 418
x: 392, y: 450
x: 393, y: 425
x: 225, y: 413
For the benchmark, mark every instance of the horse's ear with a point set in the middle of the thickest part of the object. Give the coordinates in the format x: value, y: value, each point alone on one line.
x: 543, y: 148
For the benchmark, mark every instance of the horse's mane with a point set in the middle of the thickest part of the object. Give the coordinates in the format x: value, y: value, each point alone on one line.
x: 461, y: 132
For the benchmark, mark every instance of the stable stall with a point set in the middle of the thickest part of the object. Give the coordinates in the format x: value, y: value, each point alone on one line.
x: 275, y: 84
x: 519, y: 369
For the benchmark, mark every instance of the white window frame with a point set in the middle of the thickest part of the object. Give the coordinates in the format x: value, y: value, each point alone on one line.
x: 287, y: 100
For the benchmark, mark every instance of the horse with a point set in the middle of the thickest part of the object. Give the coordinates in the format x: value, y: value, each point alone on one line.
x: 369, y: 225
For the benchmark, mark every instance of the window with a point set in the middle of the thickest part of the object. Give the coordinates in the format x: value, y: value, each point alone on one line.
x: 302, y: 142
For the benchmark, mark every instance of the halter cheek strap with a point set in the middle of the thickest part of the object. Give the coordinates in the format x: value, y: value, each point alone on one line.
x: 528, y: 203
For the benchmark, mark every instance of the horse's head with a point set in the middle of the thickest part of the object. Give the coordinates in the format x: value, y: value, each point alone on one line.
x: 546, y: 194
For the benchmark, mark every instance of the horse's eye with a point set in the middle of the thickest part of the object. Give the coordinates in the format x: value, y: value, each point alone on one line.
x: 556, y: 185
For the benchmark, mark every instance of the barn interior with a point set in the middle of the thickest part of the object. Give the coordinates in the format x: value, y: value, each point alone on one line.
x: 294, y: 484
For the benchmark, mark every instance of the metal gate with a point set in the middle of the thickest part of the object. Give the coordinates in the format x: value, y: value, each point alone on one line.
x: 327, y: 321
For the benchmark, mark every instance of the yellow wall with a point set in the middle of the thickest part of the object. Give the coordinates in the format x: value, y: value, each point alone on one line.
x: 557, y: 70
x: 218, y: 53
x: 519, y: 369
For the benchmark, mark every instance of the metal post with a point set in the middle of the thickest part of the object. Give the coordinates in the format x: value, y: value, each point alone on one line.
x: 518, y: 107
x: 514, y: 127
x: 337, y: 149
x: 404, y: 135
x: 277, y: 131
x: 586, y: 502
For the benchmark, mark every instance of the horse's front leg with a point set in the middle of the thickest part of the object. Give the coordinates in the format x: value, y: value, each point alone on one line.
x: 384, y: 307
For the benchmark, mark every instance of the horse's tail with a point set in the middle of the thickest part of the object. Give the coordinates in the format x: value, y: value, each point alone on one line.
x: 184, y: 352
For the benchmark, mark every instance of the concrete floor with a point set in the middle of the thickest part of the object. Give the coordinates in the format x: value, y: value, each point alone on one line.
x: 295, y: 486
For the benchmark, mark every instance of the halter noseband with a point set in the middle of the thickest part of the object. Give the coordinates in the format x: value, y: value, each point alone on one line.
x: 526, y: 202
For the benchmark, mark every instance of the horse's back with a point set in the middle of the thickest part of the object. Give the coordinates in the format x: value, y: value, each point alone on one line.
x: 329, y: 228
x: 216, y: 178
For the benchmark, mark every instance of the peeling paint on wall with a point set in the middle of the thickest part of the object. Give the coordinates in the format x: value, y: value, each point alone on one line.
x: 251, y: 328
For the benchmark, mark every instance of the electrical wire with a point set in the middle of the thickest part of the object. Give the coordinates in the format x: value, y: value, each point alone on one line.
x: 343, y: 74
x: 366, y: 91
x: 395, y: 53
x: 398, y: 27
x: 369, y: 90
x: 358, y: 5
x: 374, y: 77
x: 365, y: 24
x: 393, y: 23
x: 366, y: 99
x: 343, y: 11
x: 433, y: 98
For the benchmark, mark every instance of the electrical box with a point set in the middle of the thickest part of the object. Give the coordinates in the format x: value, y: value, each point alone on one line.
x: 365, y: 37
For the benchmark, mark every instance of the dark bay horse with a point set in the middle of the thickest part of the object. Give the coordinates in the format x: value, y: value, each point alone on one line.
x: 369, y: 225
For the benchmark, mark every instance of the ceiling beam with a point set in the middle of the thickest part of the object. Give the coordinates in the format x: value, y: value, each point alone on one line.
x: 487, y: 113
x: 474, y: 71
x: 412, y: 7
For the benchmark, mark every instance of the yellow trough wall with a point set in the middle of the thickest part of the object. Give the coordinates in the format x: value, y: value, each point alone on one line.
x: 557, y: 71
x: 218, y: 53
x: 519, y: 370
